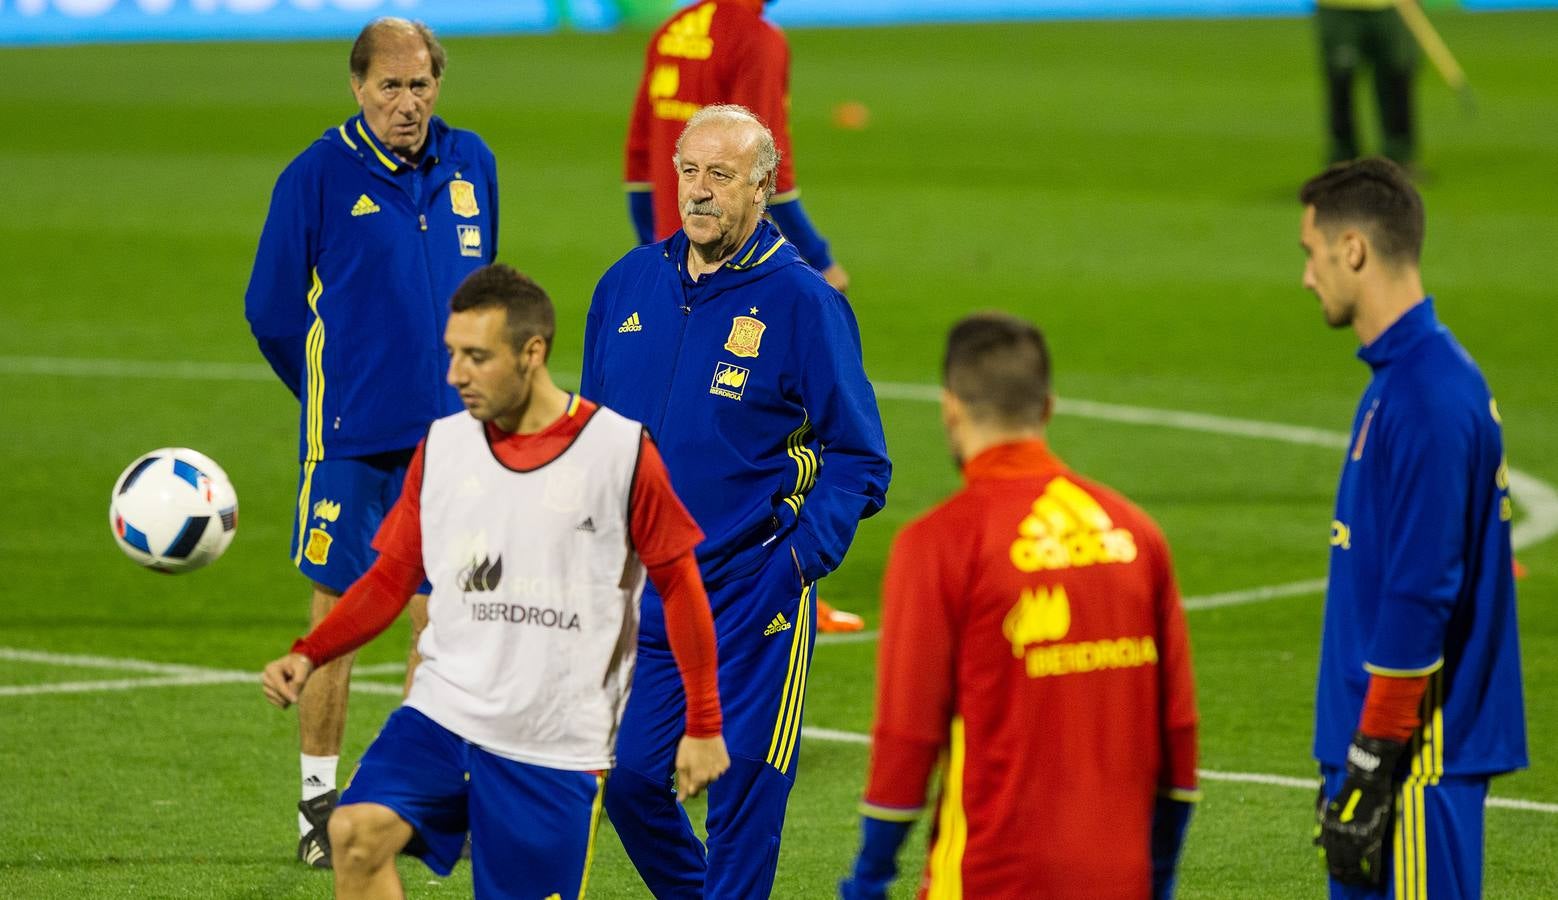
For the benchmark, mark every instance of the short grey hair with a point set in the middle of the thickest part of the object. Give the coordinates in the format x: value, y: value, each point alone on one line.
x: 384, y: 27
x: 767, y: 156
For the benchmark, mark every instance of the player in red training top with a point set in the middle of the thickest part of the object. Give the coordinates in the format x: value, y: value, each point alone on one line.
x: 1032, y: 632
x: 720, y: 51
x: 535, y: 515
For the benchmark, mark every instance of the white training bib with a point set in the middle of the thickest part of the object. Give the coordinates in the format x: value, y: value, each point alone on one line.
x: 533, y: 619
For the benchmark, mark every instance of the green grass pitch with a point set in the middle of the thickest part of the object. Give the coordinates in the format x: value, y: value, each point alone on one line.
x: 1128, y: 185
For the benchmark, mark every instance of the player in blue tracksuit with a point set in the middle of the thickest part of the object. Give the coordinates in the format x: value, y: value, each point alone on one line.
x: 1419, y: 700
x: 370, y: 230
x: 746, y: 367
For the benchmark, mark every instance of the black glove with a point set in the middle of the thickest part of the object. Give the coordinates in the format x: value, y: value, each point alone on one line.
x: 1356, y: 822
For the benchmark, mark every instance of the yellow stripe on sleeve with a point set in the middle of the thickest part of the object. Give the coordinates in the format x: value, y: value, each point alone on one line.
x: 889, y: 813
x: 1429, y: 669
x: 946, y: 856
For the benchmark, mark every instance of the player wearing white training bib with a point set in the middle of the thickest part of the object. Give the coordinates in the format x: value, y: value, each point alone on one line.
x: 535, y: 584
x: 537, y: 516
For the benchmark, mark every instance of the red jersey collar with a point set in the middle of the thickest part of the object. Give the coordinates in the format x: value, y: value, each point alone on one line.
x: 754, y: 5
x: 577, y: 408
x: 1012, y: 460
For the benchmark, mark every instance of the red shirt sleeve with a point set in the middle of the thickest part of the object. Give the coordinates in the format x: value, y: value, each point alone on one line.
x: 759, y: 77
x: 1180, y: 719
x: 368, y: 607
x: 915, y: 675
x: 636, y: 169
x: 371, y: 604
x: 400, y: 534
x: 690, y: 627
x: 1390, y: 709
x: 661, y: 527
x: 664, y: 535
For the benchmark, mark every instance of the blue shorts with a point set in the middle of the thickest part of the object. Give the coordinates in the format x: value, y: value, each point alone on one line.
x: 532, y: 828
x: 1435, y: 849
x: 341, y: 503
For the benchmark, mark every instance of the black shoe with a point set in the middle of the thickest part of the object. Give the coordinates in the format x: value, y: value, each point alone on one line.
x: 314, y: 847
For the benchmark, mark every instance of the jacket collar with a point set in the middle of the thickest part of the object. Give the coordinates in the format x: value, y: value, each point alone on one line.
x: 1417, y: 323
x: 1016, y: 459
x: 763, y: 252
x: 359, y: 137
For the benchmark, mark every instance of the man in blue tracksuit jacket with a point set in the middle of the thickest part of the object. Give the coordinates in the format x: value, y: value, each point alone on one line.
x: 1419, y: 701
x: 370, y: 231
x: 746, y: 367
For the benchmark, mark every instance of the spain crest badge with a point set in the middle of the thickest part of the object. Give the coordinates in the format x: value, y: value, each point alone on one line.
x: 462, y: 199
x: 317, y: 551
x: 746, y: 335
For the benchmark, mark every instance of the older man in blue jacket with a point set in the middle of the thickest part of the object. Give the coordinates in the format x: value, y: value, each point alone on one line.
x: 746, y: 366
x: 370, y: 230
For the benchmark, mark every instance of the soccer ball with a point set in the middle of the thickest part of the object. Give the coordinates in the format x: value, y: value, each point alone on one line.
x: 173, y: 510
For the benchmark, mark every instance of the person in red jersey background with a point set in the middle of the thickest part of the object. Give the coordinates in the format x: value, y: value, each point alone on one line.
x: 706, y: 54
x: 1032, y: 634
x: 709, y: 53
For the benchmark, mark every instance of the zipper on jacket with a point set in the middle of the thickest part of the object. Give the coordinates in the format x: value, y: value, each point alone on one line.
x: 676, y: 360
x: 422, y: 218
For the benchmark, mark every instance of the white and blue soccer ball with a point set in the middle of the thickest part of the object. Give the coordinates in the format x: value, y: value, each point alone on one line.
x: 173, y: 510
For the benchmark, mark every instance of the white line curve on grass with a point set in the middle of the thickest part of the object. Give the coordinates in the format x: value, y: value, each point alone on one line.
x: 1536, y: 498
x: 177, y: 675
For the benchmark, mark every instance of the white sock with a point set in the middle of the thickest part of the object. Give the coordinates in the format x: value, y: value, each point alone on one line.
x: 318, y: 778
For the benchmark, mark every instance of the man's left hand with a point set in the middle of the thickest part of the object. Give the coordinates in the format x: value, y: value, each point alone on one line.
x: 284, y: 678
x: 698, y: 762
x: 1356, y: 822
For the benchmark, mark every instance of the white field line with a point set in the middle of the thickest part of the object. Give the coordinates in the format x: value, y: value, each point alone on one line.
x: 189, y: 676
x: 1537, y: 499
x: 1287, y: 781
x: 125, y: 684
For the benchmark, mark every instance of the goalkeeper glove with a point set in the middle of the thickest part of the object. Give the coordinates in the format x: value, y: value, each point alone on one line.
x: 1355, y: 823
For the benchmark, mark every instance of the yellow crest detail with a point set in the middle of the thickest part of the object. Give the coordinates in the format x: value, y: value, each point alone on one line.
x: 729, y: 381
x: 665, y: 81
x: 1066, y: 528
x: 688, y: 37
x: 1341, y: 535
x: 1039, y: 615
x: 329, y: 510
x: 746, y: 335
x: 462, y: 199
x: 318, y: 549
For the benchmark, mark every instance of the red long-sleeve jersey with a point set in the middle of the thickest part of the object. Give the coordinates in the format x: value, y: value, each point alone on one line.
x: 663, y: 533
x: 720, y: 51
x: 1032, y: 631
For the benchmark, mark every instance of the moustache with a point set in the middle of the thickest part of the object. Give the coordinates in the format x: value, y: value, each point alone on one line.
x: 702, y: 208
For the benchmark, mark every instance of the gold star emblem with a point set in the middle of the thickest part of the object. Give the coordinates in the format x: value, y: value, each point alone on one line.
x: 753, y: 311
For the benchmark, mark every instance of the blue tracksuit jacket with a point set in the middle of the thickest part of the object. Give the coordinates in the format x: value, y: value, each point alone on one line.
x: 351, y: 284
x: 1421, y: 579
x: 752, y: 384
